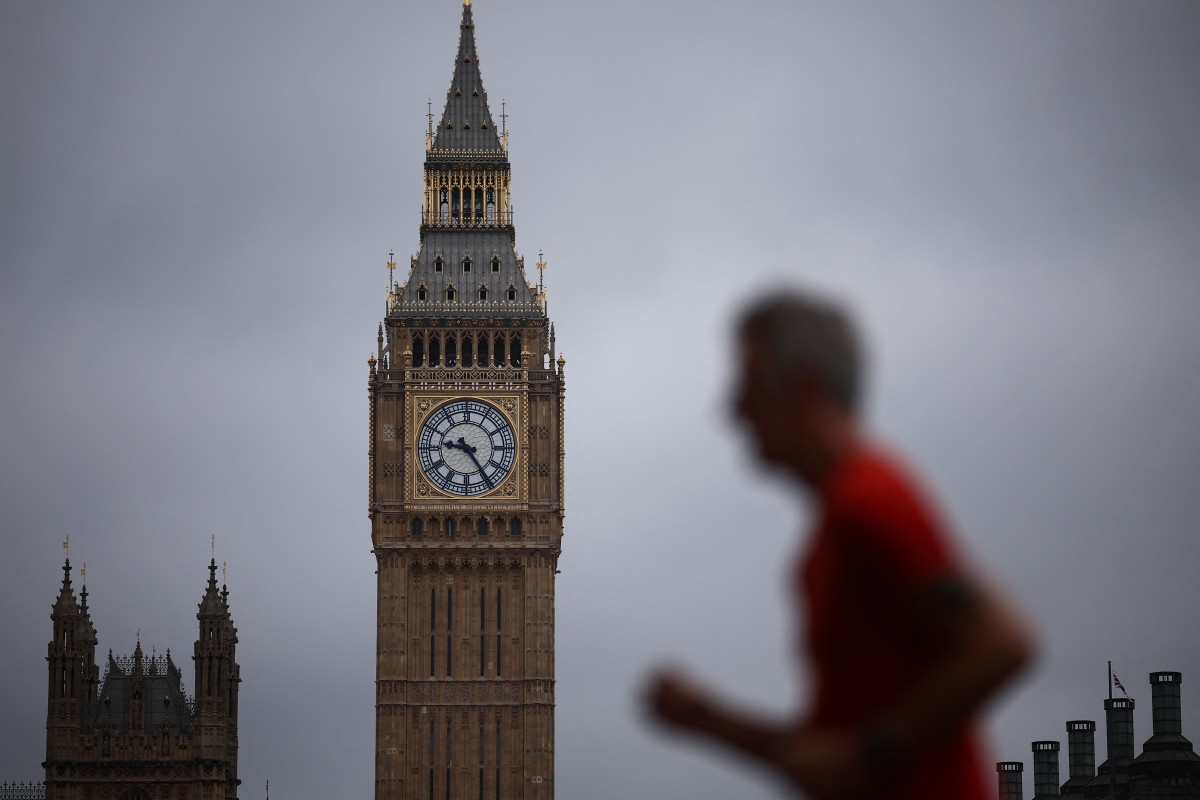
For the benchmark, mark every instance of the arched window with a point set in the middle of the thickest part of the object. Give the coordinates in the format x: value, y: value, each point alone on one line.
x: 479, y: 205
x: 481, y: 526
x: 467, y: 264
x: 418, y: 526
x: 468, y: 350
x: 512, y: 292
x: 454, y: 205
x: 491, y: 206
x: 452, y: 351
x: 514, y: 350
x: 451, y: 527
x: 418, y: 351
x: 483, y: 293
x: 421, y: 293
x: 498, y: 351
x: 444, y: 205
x: 435, y: 352
x: 438, y: 264
x: 495, y: 263
x: 514, y: 526
x: 450, y: 294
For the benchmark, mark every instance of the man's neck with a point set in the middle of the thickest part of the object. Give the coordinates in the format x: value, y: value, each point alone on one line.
x: 836, y: 439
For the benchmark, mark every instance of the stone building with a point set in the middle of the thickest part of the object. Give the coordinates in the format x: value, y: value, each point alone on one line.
x: 466, y: 482
x: 132, y: 733
x: 1168, y: 768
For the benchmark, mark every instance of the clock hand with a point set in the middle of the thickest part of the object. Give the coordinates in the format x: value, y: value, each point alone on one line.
x: 451, y: 445
x: 466, y: 448
x: 478, y: 466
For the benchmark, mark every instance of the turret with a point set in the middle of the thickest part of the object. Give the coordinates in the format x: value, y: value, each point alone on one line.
x: 1118, y: 719
x: 1167, y: 763
x: 1164, y: 700
x: 217, y: 679
x: 1081, y: 757
x: 1009, y: 780
x: 70, y: 657
x: 1113, y: 774
x: 1045, y: 769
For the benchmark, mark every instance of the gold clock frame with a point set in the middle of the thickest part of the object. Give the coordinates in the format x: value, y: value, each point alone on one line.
x: 512, y: 406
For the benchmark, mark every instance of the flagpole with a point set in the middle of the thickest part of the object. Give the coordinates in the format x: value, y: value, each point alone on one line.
x: 1112, y: 770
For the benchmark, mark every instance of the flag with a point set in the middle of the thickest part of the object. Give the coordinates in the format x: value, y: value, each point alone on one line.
x: 1119, y: 685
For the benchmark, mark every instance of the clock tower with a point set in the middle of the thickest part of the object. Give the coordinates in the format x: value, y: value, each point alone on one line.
x: 466, y: 483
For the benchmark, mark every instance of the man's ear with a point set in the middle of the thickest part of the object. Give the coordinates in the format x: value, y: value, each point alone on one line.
x: 802, y: 386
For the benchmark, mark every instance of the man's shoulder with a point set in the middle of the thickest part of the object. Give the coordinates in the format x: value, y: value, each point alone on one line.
x: 874, y: 475
x: 879, y: 498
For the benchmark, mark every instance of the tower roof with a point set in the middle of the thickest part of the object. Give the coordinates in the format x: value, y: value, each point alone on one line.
x: 212, y: 602
x: 467, y: 121
x: 467, y: 265
x: 66, y: 604
x: 153, y: 681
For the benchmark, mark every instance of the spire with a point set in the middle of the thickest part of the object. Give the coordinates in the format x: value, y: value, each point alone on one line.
x: 66, y: 603
x: 211, y: 602
x: 467, y: 121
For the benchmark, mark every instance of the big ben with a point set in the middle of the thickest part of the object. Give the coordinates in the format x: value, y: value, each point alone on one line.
x: 466, y: 483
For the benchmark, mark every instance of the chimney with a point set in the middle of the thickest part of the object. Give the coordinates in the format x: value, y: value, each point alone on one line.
x: 1118, y: 718
x: 1045, y: 769
x: 1008, y: 776
x: 1081, y: 748
x: 1164, y: 688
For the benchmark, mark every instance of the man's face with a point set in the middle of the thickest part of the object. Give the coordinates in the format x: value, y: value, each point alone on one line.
x: 775, y: 413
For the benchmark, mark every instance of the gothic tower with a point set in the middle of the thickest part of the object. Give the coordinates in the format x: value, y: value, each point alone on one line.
x: 135, y: 734
x: 71, y: 656
x: 217, y: 678
x: 466, y: 484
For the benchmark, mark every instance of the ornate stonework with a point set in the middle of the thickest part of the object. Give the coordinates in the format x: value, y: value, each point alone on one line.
x: 465, y: 566
x: 132, y: 732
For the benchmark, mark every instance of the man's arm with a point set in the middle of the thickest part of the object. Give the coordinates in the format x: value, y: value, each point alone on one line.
x: 676, y: 702
x: 984, y: 645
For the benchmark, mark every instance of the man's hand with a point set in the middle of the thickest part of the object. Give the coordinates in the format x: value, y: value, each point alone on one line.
x: 825, y: 766
x: 676, y: 701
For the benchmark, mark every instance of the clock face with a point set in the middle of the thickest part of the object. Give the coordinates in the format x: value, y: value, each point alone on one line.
x: 466, y: 447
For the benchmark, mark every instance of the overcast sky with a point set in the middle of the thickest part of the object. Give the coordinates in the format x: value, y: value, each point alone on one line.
x: 197, y: 201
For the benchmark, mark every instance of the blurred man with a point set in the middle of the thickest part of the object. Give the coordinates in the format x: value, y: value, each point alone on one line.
x: 904, y: 643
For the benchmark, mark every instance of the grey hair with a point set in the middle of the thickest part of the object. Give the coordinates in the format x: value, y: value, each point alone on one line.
x: 804, y: 334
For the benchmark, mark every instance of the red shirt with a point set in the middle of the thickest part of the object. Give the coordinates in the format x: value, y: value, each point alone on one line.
x: 877, y: 547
